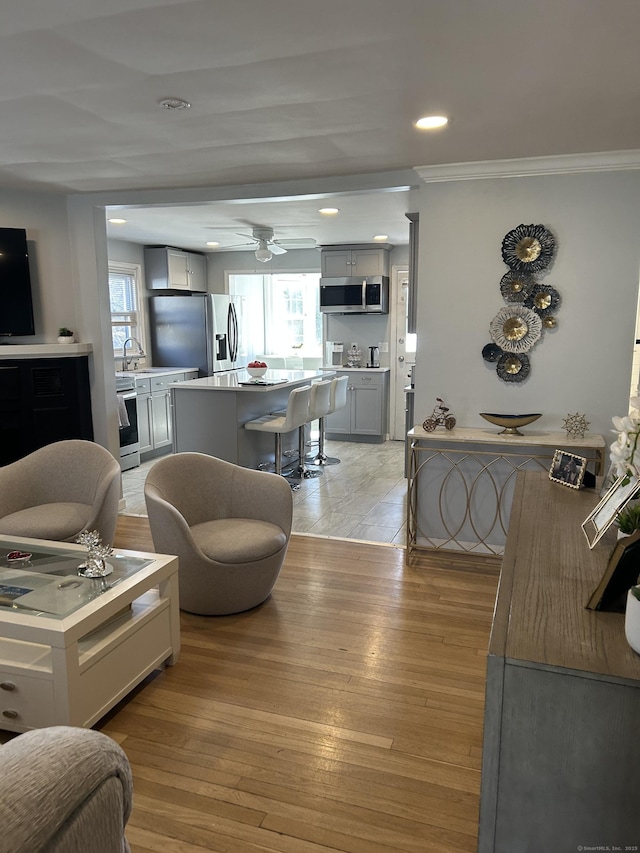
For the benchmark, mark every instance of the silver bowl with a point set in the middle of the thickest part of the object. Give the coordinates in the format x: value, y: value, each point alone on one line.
x: 510, y: 422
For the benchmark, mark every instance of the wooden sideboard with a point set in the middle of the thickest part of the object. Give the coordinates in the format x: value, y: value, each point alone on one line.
x: 561, y: 755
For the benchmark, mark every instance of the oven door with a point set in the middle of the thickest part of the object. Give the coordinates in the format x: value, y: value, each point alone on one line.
x: 129, y: 440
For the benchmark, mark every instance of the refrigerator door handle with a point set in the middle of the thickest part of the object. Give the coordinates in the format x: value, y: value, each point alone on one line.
x: 232, y: 330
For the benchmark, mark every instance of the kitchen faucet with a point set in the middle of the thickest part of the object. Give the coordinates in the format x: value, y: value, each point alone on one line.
x: 126, y: 361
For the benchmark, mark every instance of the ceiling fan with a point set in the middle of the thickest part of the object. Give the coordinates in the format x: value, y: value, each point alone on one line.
x: 265, y: 244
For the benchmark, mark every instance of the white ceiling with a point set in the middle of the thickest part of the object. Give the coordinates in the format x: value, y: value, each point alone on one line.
x: 294, y: 89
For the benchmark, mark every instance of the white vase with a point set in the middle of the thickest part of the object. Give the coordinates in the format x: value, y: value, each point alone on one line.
x: 66, y: 339
x: 632, y: 622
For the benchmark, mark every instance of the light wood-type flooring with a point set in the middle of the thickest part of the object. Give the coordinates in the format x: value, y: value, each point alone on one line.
x: 343, y: 714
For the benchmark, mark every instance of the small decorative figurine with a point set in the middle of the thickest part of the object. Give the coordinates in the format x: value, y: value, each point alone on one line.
x: 95, y: 566
x: 439, y: 417
x: 575, y: 425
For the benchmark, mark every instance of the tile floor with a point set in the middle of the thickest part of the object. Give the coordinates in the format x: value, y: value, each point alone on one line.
x: 364, y: 497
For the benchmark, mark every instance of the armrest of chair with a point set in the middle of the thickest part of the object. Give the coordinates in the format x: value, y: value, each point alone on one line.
x: 48, y: 775
x: 262, y: 495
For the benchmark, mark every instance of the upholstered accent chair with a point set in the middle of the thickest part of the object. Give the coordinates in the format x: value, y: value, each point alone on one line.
x: 60, y: 490
x: 229, y: 527
x: 64, y: 790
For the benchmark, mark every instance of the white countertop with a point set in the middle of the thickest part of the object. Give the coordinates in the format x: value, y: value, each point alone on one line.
x: 43, y: 350
x: 150, y: 372
x: 231, y: 380
x: 357, y: 369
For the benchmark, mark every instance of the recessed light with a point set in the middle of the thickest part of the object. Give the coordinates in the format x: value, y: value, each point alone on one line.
x: 117, y: 221
x: 174, y: 104
x: 212, y: 243
x: 329, y: 211
x: 381, y: 237
x: 431, y: 122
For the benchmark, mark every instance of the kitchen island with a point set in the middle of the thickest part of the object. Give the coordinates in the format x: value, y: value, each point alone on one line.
x: 209, y: 414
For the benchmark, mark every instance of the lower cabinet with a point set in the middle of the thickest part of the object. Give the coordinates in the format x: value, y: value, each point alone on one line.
x: 43, y: 400
x: 154, y: 411
x: 366, y: 411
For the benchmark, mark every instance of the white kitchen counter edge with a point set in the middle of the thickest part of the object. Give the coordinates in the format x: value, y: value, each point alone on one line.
x: 337, y: 369
x: 43, y: 350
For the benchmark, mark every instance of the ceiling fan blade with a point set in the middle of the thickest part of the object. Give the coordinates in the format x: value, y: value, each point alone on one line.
x: 275, y: 249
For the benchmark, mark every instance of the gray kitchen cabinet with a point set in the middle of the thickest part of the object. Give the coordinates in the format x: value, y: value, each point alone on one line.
x: 154, y: 410
x: 167, y: 268
x: 354, y: 261
x: 365, y: 414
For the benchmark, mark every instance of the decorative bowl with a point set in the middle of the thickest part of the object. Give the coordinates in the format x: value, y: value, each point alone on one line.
x: 257, y: 372
x: 510, y: 422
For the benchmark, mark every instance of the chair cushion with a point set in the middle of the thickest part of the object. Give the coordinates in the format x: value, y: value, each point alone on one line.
x: 58, y: 521
x: 238, y: 540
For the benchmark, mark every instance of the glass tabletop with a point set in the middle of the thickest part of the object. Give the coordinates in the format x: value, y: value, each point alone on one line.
x: 46, y: 582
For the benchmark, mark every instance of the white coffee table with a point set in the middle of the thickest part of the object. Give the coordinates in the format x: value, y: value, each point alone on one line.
x: 71, y: 648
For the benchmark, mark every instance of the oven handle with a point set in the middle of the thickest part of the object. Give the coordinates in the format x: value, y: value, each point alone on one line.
x: 127, y: 395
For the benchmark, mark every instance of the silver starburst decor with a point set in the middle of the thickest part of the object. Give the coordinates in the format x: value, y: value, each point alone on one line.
x: 95, y: 566
x: 575, y: 425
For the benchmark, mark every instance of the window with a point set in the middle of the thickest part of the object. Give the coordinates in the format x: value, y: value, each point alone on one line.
x: 292, y: 314
x: 283, y: 312
x: 124, y: 299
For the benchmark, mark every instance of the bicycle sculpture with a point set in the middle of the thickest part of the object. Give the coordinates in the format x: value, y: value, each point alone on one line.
x: 439, y: 417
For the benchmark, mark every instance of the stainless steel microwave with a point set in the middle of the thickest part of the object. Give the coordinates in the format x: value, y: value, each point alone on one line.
x: 361, y: 295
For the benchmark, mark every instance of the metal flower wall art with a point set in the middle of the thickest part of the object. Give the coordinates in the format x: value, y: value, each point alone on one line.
x: 530, y: 305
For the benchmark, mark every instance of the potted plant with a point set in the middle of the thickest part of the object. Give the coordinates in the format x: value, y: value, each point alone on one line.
x: 65, y: 336
x: 628, y: 520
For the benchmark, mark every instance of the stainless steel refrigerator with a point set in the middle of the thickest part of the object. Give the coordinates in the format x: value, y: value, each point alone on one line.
x: 207, y: 331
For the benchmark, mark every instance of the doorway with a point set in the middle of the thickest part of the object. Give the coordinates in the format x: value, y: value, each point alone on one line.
x: 403, y: 355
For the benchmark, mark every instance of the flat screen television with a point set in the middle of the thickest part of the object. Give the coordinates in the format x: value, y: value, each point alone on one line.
x: 16, y: 305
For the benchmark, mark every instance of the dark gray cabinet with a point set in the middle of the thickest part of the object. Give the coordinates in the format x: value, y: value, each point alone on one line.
x: 43, y: 400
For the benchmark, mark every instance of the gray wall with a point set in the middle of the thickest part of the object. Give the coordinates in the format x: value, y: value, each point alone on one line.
x: 584, y: 365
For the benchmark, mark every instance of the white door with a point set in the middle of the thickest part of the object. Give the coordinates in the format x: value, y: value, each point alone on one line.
x: 405, y: 355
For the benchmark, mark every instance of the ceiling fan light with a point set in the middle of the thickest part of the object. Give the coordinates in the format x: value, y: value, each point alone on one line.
x: 262, y: 252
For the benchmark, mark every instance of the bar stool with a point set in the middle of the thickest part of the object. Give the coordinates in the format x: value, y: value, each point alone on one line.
x: 337, y: 400
x: 295, y: 417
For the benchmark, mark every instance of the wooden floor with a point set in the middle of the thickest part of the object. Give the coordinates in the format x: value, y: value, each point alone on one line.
x: 343, y: 714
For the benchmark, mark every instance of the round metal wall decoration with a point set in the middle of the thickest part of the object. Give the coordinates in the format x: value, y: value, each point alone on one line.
x: 544, y: 299
x: 515, y: 328
x: 513, y: 367
x: 549, y: 321
x: 528, y: 248
x: 491, y: 352
x: 516, y: 286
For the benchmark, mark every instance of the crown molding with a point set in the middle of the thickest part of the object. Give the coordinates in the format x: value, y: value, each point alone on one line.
x: 562, y: 164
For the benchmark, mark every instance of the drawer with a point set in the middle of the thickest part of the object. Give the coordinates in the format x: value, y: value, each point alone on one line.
x: 25, y: 702
x: 365, y: 380
x: 161, y: 383
x: 143, y: 386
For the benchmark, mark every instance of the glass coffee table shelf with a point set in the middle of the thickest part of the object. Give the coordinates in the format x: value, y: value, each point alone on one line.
x: 72, y: 647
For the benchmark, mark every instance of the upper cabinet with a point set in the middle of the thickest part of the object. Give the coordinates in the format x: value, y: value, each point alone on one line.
x: 174, y: 269
x: 354, y: 261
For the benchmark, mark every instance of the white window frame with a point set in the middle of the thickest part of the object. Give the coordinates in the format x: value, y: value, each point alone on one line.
x: 133, y: 318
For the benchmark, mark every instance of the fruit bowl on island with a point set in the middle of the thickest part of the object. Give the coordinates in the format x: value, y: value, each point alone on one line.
x: 257, y: 369
x: 510, y: 422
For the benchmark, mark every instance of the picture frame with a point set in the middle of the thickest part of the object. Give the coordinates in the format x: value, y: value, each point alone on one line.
x: 621, y: 573
x: 613, y: 502
x: 568, y: 469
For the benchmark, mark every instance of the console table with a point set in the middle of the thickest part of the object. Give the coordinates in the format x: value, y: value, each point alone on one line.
x: 561, y: 753
x: 460, y: 483
x: 71, y: 647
